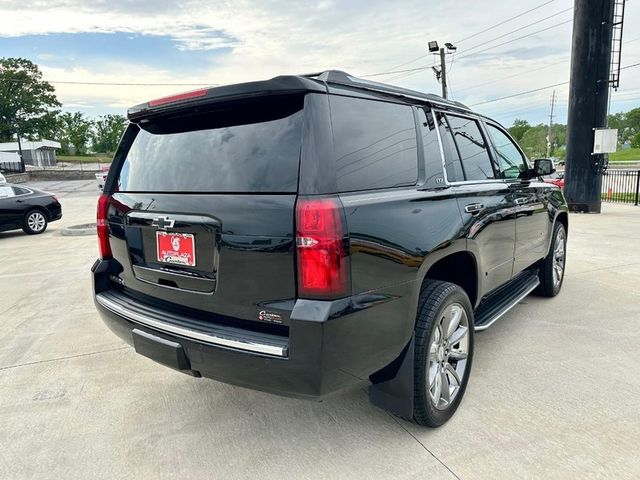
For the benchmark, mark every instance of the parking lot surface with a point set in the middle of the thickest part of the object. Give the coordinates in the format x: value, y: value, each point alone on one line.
x: 554, y: 391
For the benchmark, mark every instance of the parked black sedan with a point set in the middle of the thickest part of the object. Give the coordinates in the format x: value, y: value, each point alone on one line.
x: 27, y: 208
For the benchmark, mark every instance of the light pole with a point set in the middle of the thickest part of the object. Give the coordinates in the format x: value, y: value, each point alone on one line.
x: 22, y: 166
x: 441, y: 74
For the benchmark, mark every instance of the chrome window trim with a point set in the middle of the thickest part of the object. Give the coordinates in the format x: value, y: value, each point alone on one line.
x: 444, y: 164
x: 443, y: 161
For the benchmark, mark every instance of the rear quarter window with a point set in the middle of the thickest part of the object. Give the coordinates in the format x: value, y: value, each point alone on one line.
x: 375, y: 144
x: 252, y: 147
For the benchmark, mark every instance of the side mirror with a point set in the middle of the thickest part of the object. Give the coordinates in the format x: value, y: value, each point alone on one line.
x: 543, y: 166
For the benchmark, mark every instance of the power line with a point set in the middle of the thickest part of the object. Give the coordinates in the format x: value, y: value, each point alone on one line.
x: 134, y: 84
x: 526, y: 72
x: 516, y: 39
x: 519, y: 29
x: 518, y: 94
x: 396, y: 71
x: 512, y: 76
x: 630, y: 66
x: 472, y: 53
x: 410, y: 61
x: 479, y: 33
x: 504, y: 21
x: 539, y: 89
x: 405, y: 75
x: 70, y: 82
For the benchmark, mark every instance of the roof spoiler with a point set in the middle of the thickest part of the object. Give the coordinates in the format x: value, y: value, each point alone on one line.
x: 282, y: 85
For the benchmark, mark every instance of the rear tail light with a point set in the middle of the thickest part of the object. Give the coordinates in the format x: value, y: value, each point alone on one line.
x: 178, y: 97
x: 322, y: 268
x: 103, y: 226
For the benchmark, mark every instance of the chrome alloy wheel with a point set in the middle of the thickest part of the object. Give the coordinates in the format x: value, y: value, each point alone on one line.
x: 36, y: 221
x: 559, y: 257
x: 448, y: 352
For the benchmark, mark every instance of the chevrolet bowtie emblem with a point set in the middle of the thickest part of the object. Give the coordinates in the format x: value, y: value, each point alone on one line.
x: 163, y: 223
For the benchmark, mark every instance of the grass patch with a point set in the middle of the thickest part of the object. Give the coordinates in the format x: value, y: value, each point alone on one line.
x: 630, y: 154
x: 83, y: 159
x: 619, y: 197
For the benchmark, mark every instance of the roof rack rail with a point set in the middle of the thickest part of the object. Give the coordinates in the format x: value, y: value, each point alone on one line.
x: 344, y: 78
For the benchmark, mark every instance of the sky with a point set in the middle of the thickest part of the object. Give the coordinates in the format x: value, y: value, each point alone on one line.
x: 191, y: 43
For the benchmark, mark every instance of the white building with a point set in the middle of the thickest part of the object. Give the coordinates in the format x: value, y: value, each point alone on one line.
x: 40, y: 153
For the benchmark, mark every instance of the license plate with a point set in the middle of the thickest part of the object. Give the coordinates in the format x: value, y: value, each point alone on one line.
x: 176, y: 248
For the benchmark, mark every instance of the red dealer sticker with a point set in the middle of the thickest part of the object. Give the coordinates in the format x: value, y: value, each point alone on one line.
x: 176, y: 248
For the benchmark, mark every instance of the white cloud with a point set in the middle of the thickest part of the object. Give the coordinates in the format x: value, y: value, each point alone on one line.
x: 270, y: 37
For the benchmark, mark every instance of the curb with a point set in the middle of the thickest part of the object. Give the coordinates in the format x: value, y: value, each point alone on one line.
x: 85, y: 229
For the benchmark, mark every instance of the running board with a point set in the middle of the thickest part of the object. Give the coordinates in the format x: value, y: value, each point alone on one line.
x: 496, y: 304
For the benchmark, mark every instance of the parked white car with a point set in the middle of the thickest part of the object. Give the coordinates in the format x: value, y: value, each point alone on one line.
x: 2, y: 179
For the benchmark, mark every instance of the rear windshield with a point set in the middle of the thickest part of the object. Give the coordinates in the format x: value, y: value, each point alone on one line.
x: 250, y: 147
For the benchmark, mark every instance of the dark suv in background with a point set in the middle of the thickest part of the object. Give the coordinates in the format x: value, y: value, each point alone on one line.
x: 306, y: 234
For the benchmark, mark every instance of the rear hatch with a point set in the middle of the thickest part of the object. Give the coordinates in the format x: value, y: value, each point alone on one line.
x: 202, y: 208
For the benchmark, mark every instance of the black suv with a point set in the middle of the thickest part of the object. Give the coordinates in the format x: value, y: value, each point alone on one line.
x: 306, y: 234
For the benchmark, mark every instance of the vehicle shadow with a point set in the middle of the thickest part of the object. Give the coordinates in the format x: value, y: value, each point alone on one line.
x: 13, y: 233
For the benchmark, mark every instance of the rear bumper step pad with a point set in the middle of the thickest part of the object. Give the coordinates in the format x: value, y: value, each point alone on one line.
x: 174, y: 324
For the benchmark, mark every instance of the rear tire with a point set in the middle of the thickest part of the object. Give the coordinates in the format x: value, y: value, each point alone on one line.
x: 551, y: 273
x: 443, y: 352
x: 35, y: 222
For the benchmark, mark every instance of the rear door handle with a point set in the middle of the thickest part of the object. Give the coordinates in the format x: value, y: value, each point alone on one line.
x: 473, y: 208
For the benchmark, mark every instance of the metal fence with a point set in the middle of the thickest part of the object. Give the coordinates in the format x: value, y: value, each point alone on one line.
x: 621, y: 186
x: 11, y: 167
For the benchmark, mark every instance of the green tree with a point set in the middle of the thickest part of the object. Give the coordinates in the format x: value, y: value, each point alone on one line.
x: 74, y: 132
x: 107, y: 130
x: 28, y: 104
x: 519, y: 128
x: 632, y: 118
x: 619, y: 122
x: 635, y: 141
x: 534, y: 141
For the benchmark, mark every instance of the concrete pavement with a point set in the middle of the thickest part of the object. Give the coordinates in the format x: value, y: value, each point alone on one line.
x: 554, y: 392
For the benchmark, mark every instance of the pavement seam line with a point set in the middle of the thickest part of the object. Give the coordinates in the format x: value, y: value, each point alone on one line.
x: 64, y: 358
x: 606, y: 268
x: 422, y: 445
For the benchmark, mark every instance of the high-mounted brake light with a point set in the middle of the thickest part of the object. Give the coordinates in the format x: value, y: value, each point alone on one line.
x: 178, y: 97
x: 322, y: 268
x: 102, y: 218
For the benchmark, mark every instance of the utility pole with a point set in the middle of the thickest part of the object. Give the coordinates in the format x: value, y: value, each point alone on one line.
x: 443, y: 73
x: 553, y: 102
x: 588, y: 101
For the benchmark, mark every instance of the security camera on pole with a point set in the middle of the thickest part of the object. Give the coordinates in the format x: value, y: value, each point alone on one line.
x: 441, y: 74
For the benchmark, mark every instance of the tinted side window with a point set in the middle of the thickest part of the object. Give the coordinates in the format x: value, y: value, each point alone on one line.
x: 512, y: 163
x: 431, y: 146
x: 375, y: 144
x: 451, y: 157
x: 20, y: 191
x: 472, y: 147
